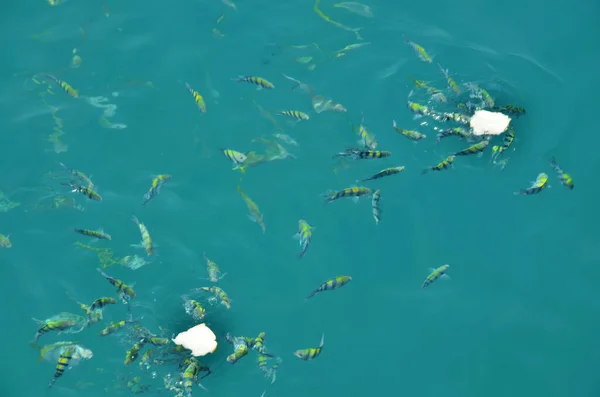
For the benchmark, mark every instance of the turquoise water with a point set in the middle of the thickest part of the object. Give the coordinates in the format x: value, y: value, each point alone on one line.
x: 520, y: 313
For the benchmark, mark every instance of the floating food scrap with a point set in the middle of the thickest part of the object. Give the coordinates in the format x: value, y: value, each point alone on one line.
x: 485, y: 122
x: 199, y: 339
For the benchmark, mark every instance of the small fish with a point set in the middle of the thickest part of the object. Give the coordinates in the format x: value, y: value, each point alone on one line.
x: 451, y: 83
x: 78, y: 174
x: 240, y: 348
x: 385, y: 172
x: 115, y: 326
x: 420, y: 51
x: 123, y: 290
x: 86, y: 191
x: 510, y: 110
x: 540, y: 184
x: 62, y: 364
x: 5, y: 241
x: 197, y: 98
x: 146, y: 243
x: 193, y: 308
x: 259, y: 81
x: 54, y: 324
x: 155, y: 187
x: 445, y: 164
x: 310, y: 353
x: 214, y: 273
x: 457, y: 131
x: 99, y: 234
x: 473, y: 149
x: 132, y: 354
x: 66, y: 87
x: 375, y: 206
x: 355, y: 192
x: 330, y: 285
x: 158, y: 341
x: 564, y: 178
x: 237, y: 158
x: 366, y: 139
x: 362, y: 154
x: 288, y: 140
x: 219, y: 294
x: 419, y: 109
x: 295, y: 114
x: 102, y: 302
x: 254, y: 213
x: 507, y: 142
x: 410, y: 134
x: 190, y: 375
x: 435, y: 274
x: 304, y: 236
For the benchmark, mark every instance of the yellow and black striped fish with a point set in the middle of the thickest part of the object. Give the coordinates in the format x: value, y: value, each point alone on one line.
x: 329, y: 285
x: 124, y: 291
x: 102, y: 302
x: 435, y: 274
x: 132, y: 354
x: 66, y: 87
x: 146, y: 243
x: 155, y: 187
x: 457, y: 131
x: 99, y: 234
x: 356, y: 192
x: 445, y: 164
x: 363, y: 154
x: 295, y: 114
x: 86, y: 191
x: 473, y: 149
x: 410, y: 134
x: 259, y: 81
x: 115, y: 326
x: 62, y: 364
x: 78, y: 174
x: 198, y: 98
x: 385, y: 172
x: 540, y: 184
x: 564, y: 178
x: 310, y: 353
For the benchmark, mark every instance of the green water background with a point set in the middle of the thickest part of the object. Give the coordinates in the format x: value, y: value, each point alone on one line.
x: 520, y: 315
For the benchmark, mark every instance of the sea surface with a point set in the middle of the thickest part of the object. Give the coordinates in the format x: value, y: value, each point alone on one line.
x: 520, y: 312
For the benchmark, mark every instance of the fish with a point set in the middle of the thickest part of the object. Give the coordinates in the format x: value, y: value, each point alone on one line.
x: 100, y: 303
x: 444, y: 165
x: 236, y: 157
x: 254, y: 213
x: 259, y: 81
x: 115, y: 326
x: 146, y: 242
x: 132, y: 354
x: 78, y: 174
x: 123, y: 290
x: 355, y: 192
x: 565, y: 179
x: 86, y: 191
x: 155, y: 187
x: 304, y: 236
x: 62, y: 364
x: 385, y: 172
x: 420, y: 51
x: 440, y: 272
x: 214, y: 273
x: 310, y: 353
x: 375, y: 206
x: 193, y: 308
x: 473, y: 149
x: 5, y: 241
x: 410, y: 134
x: 218, y: 293
x: 98, y: 234
x: 197, y: 98
x: 451, y: 83
x: 66, y: 87
x: 330, y: 285
x: 362, y: 154
x: 541, y: 182
x: 295, y: 114
x: 457, y: 131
